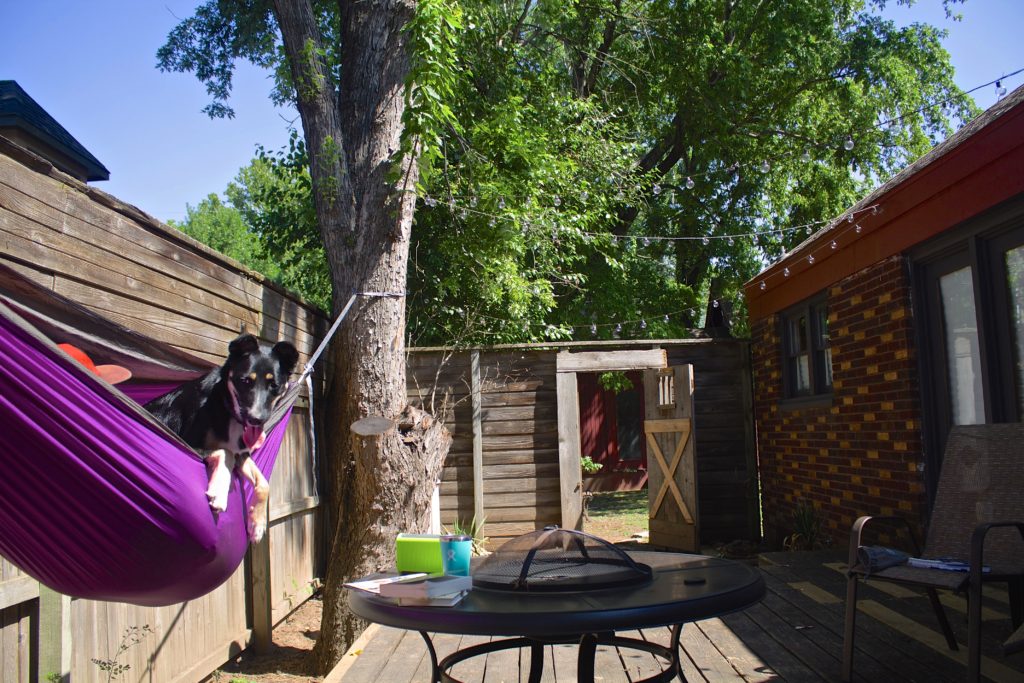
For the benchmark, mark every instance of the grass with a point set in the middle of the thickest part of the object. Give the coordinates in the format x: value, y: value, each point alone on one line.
x: 617, y: 515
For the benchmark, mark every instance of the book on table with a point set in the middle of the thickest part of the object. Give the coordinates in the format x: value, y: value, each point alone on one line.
x: 427, y: 587
x: 440, y: 601
x: 372, y: 584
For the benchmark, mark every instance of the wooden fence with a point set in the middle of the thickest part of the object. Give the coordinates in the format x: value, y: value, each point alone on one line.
x: 513, y: 414
x: 127, y: 266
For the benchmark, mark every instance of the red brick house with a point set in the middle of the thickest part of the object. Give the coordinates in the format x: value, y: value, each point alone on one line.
x: 880, y: 331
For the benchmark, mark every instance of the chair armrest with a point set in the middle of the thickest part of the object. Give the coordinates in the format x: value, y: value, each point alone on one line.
x: 857, y: 534
x: 978, y: 545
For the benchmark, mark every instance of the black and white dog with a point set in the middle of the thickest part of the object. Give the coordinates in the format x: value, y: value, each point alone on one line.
x: 222, y: 415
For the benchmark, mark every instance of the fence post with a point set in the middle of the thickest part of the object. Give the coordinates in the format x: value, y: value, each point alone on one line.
x: 54, y: 634
x: 478, y: 440
x: 260, y: 594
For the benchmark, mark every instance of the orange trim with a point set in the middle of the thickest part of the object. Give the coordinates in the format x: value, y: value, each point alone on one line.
x: 981, y: 172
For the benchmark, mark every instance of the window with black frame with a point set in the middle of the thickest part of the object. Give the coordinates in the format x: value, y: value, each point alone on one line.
x: 807, y: 353
x: 969, y: 315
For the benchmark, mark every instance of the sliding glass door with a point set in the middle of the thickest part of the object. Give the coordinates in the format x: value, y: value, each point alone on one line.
x: 969, y: 311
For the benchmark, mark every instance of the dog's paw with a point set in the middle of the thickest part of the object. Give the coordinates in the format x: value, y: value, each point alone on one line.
x: 257, y: 527
x: 218, y: 500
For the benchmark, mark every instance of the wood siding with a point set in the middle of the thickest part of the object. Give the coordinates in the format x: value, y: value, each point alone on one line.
x: 519, y: 432
x: 518, y: 436
x: 125, y: 265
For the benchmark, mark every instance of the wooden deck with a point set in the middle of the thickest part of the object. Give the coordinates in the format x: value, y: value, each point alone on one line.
x: 795, y: 634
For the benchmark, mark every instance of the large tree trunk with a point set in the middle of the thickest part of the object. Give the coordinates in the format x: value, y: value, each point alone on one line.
x: 381, y: 485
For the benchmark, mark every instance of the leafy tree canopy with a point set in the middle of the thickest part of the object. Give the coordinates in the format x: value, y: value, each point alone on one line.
x: 268, y: 223
x: 604, y: 167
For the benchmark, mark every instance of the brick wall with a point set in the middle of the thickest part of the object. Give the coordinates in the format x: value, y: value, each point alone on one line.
x: 858, y: 453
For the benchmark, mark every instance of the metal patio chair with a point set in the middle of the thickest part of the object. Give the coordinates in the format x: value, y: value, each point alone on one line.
x: 977, y: 517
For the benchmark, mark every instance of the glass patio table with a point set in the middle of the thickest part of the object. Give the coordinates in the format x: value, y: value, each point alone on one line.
x: 683, y: 588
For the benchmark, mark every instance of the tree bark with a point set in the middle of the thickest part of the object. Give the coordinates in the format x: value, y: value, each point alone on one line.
x: 380, y: 485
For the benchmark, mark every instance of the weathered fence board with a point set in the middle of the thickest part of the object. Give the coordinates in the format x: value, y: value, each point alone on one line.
x: 518, y: 444
x: 148, y: 277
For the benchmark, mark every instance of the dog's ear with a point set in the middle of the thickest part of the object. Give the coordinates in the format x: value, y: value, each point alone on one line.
x: 286, y: 355
x: 245, y: 344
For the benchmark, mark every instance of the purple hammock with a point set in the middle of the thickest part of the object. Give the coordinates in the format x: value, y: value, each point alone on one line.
x: 98, y: 499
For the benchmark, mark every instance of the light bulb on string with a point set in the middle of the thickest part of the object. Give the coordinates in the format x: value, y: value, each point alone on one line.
x: 584, y: 196
x: 643, y: 324
x: 593, y: 329
x: 785, y: 272
x: 705, y: 241
x: 848, y: 143
x: 810, y: 259
x: 665, y: 318
x: 805, y: 157
x: 835, y: 245
x: 1000, y: 89
x: 557, y: 200
x: 765, y: 167
x: 501, y: 202
x: 857, y: 229
x: 763, y: 286
x: 656, y: 189
x: 689, y: 183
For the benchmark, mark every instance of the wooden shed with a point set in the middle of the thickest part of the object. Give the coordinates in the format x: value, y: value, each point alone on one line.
x: 127, y: 266
x: 890, y: 325
x: 514, y: 415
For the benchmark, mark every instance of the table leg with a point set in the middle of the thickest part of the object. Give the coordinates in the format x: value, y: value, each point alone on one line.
x: 536, y: 661
x: 677, y: 632
x: 435, y: 673
x: 585, y: 658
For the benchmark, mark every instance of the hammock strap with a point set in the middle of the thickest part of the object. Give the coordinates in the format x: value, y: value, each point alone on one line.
x: 337, y: 323
x: 312, y: 433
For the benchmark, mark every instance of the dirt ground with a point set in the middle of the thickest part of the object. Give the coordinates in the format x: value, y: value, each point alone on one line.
x: 289, y: 660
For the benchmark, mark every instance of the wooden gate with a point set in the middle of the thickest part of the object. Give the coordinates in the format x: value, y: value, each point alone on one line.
x: 671, y: 462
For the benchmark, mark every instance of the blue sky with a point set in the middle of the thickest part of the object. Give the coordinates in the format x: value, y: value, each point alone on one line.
x: 92, y: 65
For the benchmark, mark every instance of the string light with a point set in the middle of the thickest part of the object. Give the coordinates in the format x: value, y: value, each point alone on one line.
x: 842, y: 225
x: 806, y: 156
x: 848, y: 143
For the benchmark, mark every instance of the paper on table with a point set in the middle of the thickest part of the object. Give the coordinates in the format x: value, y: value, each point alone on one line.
x: 373, y: 585
x: 427, y: 588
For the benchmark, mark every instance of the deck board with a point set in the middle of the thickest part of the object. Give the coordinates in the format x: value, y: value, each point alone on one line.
x: 795, y: 635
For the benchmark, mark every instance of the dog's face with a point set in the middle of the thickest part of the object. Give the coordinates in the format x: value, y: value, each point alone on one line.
x: 256, y: 377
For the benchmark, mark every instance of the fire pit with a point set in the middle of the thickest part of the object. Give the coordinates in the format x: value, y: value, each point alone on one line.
x: 554, y: 560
